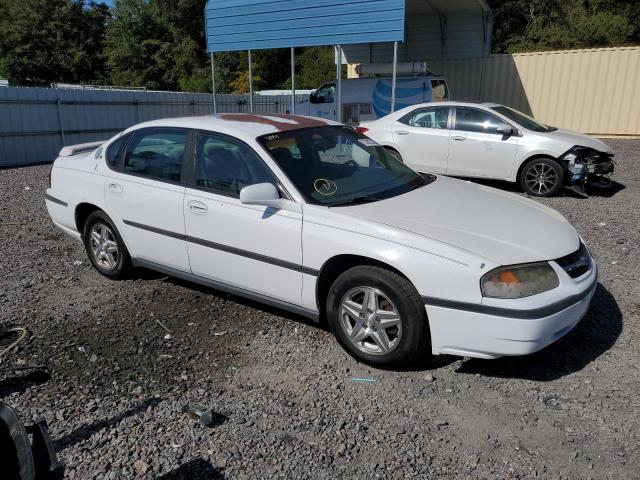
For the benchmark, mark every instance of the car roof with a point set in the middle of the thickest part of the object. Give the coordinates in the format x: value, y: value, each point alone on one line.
x: 459, y: 104
x: 449, y: 103
x: 241, y: 125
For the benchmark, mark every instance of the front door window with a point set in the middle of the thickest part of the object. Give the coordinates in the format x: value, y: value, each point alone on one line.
x: 226, y: 167
x: 325, y: 93
x: 474, y: 120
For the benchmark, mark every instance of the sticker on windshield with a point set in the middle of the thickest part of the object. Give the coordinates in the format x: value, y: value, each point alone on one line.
x: 325, y: 187
x: 367, y: 142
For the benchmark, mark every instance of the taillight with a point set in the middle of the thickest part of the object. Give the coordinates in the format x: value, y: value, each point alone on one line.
x: 50, y: 168
x: 362, y: 130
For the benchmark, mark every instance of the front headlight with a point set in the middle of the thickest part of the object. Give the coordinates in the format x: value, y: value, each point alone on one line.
x: 519, y: 281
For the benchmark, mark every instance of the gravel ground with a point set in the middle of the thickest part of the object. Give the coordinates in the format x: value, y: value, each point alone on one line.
x: 112, y: 383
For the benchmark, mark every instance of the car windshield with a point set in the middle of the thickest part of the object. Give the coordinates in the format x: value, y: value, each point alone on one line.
x: 523, y: 120
x: 336, y: 165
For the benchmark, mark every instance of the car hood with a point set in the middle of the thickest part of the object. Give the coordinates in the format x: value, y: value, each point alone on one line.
x: 496, y: 225
x: 576, y: 138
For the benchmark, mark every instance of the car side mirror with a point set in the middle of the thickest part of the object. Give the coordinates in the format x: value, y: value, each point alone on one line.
x: 313, y: 98
x: 506, y: 130
x: 266, y: 194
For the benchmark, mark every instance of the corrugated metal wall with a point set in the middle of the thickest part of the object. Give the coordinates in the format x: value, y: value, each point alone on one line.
x: 434, y: 29
x: 36, y: 122
x: 250, y: 25
x: 595, y: 91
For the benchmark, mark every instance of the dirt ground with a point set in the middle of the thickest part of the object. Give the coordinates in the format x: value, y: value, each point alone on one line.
x: 111, y: 380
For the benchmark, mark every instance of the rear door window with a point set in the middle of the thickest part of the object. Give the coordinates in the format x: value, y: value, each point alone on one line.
x: 114, y: 150
x: 157, y: 153
x: 430, y: 117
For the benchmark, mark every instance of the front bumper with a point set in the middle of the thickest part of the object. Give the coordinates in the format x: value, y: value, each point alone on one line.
x: 603, y: 168
x: 482, y: 331
x: 590, y: 170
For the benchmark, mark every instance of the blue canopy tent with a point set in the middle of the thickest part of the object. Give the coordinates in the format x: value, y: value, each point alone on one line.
x: 246, y: 25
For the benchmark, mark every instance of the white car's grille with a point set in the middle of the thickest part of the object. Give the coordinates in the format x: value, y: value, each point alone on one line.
x: 577, y: 263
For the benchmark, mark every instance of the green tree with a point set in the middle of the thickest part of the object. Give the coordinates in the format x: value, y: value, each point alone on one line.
x: 44, y: 41
x: 228, y: 66
x: 240, y: 85
x: 528, y: 25
x: 273, y: 67
x: 158, y: 44
x: 185, y: 43
x: 134, y: 47
x: 314, y: 66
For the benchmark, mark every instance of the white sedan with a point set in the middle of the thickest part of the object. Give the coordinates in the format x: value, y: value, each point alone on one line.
x: 313, y: 217
x: 493, y: 141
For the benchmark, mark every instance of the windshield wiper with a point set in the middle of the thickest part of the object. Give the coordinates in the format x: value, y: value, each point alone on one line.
x: 357, y: 201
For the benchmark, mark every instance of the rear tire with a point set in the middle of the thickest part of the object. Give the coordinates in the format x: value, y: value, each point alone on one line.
x: 542, y: 177
x: 105, y: 247
x: 378, y: 317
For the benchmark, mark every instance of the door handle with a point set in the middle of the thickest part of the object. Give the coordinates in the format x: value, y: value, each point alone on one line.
x: 459, y: 139
x: 196, y: 207
x: 402, y: 132
x: 115, y: 187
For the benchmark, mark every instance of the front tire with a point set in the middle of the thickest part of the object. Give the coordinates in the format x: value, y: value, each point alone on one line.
x: 542, y: 177
x: 378, y: 317
x: 105, y: 247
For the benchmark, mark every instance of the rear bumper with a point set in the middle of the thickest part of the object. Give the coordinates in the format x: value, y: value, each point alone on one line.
x: 74, y: 233
x: 62, y: 215
x: 493, y: 333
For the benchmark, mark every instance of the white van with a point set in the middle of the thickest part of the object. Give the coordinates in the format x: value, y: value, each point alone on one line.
x: 365, y: 99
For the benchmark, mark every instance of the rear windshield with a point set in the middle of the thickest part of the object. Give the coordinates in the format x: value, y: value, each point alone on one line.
x: 336, y: 165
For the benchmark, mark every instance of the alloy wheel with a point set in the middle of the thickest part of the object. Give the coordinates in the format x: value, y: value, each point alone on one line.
x: 104, y: 246
x: 541, y: 178
x: 370, y: 320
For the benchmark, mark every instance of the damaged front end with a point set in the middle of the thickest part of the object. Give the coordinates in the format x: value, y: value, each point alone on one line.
x: 588, y: 167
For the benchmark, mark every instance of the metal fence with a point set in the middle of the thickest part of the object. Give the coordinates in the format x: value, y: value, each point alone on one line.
x: 35, y: 123
x: 594, y: 91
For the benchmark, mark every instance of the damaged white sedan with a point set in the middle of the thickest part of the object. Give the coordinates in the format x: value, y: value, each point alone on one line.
x: 315, y: 218
x: 487, y: 140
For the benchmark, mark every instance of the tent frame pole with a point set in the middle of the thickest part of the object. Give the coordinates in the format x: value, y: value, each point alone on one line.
x: 394, y: 77
x: 213, y: 83
x: 293, y: 80
x: 339, y: 78
x: 250, y: 83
